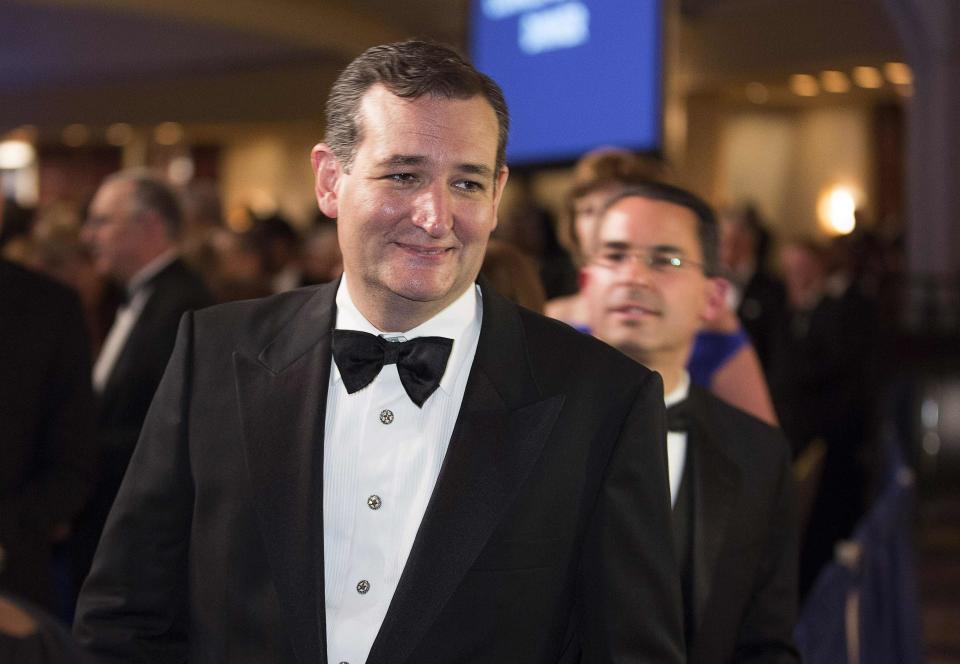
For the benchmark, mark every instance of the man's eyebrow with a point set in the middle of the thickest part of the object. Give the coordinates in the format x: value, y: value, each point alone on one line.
x: 419, y: 160
x: 403, y: 160
x: 667, y: 249
x: 615, y: 244
x: 657, y: 248
x: 476, y: 169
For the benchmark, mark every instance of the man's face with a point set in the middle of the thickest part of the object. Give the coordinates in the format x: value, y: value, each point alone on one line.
x: 416, y: 209
x: 113, y: 233
x: 803, y: 274
x: 736, y: 244
x: 650, y: 312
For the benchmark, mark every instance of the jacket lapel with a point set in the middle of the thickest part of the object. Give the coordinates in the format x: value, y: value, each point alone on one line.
x: 717, y: 485
x: 282, y: 393
x: 500, y: 431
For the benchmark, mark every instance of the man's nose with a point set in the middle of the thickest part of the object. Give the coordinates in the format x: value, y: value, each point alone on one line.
x: 432, y: 211
x: 636, y: 270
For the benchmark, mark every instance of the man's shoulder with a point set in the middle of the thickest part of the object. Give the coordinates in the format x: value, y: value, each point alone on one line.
x: 556, y: 347
x: 33, y: 296
x: 182, y: 286
x: 26, y: 285
x: 260, y: 320
x: 744, y: 437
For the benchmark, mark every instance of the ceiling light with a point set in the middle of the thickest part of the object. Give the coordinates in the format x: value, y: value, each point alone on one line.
x: 834, y: 81
x: 168, y: 133
x: 898, y: 73
x: 804, y: 85
x: 868, y: 77
x: 119, y: 133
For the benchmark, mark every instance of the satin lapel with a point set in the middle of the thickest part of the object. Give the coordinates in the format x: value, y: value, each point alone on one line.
x: 500, y: 431
x: 282, y: 395
x: 717, y: 484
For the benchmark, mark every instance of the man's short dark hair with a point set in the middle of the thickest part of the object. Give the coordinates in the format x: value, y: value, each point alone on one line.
x: 410, y: 70
x: 152, y: 194
x: 706, y: 218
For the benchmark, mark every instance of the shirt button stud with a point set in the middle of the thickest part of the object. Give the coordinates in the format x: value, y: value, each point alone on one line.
x: 386, y: 416
x: 374, y: 502
x: 363, y: 587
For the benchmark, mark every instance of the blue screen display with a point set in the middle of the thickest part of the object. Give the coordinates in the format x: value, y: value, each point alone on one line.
x: 577, y: 74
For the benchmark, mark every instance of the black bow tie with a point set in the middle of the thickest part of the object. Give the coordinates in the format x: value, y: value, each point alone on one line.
x: 420, y: 362
x: 678, y: 417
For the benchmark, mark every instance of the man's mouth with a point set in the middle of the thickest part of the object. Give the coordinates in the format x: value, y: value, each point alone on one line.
x: 426, y: 252
x: 635, y: 311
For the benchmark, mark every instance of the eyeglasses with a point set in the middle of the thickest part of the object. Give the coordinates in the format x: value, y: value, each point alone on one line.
x: 662, y: 260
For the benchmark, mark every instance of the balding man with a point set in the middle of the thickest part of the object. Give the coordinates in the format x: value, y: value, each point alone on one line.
x: 131, y: 230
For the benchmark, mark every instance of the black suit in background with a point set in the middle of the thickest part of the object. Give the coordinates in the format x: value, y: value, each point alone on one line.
x: 547, y: 534
x: 740, y: 572
x: 47, y: 453
x: 760, y: 310
x: 813, y: 378
x: 126, y: 396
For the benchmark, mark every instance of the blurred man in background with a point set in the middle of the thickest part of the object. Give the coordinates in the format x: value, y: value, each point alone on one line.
x: 132, y: 231
x: 650, y: 286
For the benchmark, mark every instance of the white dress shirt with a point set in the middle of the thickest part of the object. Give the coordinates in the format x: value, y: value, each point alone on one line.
x: 381, y: 458
x: 677, y: 440
x: 126, y: 317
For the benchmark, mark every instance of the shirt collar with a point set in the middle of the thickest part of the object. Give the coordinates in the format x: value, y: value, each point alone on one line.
x: 150, y: 270
x: 459, y: 321
x: 680, y: 392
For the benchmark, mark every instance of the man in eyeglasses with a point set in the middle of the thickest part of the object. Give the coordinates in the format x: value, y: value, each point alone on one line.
x: 650, y: 285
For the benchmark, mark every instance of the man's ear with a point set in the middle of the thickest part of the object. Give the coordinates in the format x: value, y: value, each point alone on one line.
x: 498, y: 184
x: 716, y: 301
x: 326, y: 175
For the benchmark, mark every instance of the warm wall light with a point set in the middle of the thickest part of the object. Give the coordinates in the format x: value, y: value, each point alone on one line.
x: 119, y: 133
x: 868, y: 77
x: 834, y: 81
x: 75, y: 135
x: 898, y: 73
x: 804, y: 85
x: 16, y: 154
x: 836, y: 209
x: 168, y: 133
x: 757, y: 93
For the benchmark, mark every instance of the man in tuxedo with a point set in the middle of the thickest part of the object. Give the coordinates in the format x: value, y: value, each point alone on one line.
x: 132, y: 230
x: 47, y: 454
x: 401, y: 466
x: 649, y: 287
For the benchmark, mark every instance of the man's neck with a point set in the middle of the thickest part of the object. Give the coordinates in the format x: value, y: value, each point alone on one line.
x: 671, y: 367
x: 389, y: 312
x: 151, y: 264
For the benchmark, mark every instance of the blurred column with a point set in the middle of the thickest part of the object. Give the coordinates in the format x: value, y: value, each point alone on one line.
x: 930, y: 32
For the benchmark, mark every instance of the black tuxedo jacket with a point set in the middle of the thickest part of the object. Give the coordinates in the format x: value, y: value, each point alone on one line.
x: 547, y: 533
x: 744, y: 561
x: 47, y: 454
x: 123, y: 404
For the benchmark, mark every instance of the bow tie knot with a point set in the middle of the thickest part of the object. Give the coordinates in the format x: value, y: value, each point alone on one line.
x: 420, y: 362
x: 678, y: 417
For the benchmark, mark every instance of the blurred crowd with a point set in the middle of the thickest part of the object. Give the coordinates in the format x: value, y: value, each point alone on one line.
x: 806, y: 326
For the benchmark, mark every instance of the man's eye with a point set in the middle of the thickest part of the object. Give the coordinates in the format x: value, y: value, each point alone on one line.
x: 468, y: 185
x: 665, y: 261
x: 402, y: 178
x: 614, y: 257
